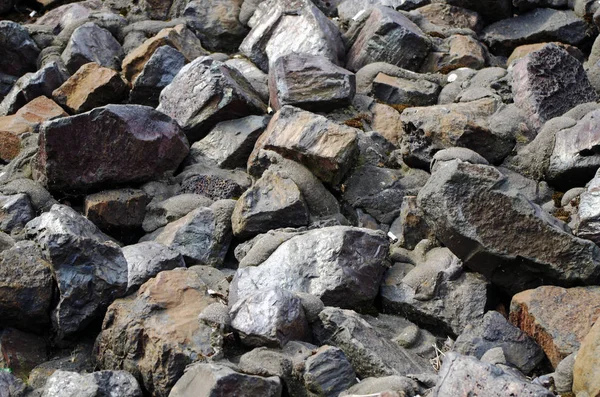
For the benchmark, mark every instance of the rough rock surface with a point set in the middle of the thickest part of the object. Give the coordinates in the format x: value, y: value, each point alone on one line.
x: 91, y: 43
x: 585, y: 372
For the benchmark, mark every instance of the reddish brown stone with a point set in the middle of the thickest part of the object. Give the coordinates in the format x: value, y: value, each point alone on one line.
x: 21, y: 352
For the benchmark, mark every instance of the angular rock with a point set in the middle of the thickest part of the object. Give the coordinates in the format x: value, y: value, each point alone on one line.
x: 388, y: 36
x: 21, y: 351
x: 393, y: 383
x: 90, y: 87
x: 89, y: 268
x: 214, y: 183
x: 18, y: 52
x: 328, y: 372
x: 518, y: 250
x: 80, y: 153
x: 91, y: 43
x: 96, y: 384
x: 495, y: 331
x: 270, y: 317
x: 410, y: 226
x: 399, y: 91
x: 341, y: 265
x: 324, y: 147
x: 158, y: 214
x: 557, y: 318
x: 161, y: 329
x: 258, y: 79
x: 207, y: 380
x: 548, y: 83
x: 281, y: 27
x: 203, y: 235
x: 146, y: 259
x: 449, y: 16
x: 15, y: 211
x: 455, y: 52
x: 310, y: 82
x: 563, y: 374
x: 587, y: 213
x: 205, y: 92
x: 586, y: 375
x: 10, y: 385
x: 273, y: 202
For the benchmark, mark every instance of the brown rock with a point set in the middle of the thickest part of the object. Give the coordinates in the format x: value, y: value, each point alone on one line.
x: 179, y: 37
x: 21, y: 352
x: 452, y: 17
x: 386, y: 121
x: 523, y: 50
x: 586, y: 372
x: 557, y: 318
x: 90, y: 87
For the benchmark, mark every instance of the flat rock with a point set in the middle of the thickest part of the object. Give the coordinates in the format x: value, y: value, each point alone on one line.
x: 450, y: 16
x: 18, y: 52
x: 91, y: 43
x: 586, y: 376
x: 399, y: 91
x: 146, y: 259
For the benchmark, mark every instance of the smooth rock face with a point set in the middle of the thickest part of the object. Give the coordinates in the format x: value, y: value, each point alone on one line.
x: 586, y: 376
x: 163, y: 334
x: 90, y: 269
x: 463, y: 375
x: 208, y: 380
x: 96, y: 384
x: 310, y: 82
x: 388, y: 36
x: 146, y: 259
x: 205, y: 92
x: 461, y: 202
x: 18, y: 52
x: 78, y: 153
x: 548, y: 83
x: 557, y: 318
x: 91, y: 43
x: 341, y: 265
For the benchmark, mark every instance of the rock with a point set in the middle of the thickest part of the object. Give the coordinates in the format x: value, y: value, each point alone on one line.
x: 158, y: 72
x: 256, y: 77
x: 26, y: 287
x: 486, y: 243
x: 525, y: 5
x: 446, y: 15
x: 393, y: 383
x: 436, y: 293
x: 10, y: 385
x: 96, y: 384
x: 137, y: 133
x: 328, y: 372
x: 388, y: 36
x: 40, y: 198
x: 191, y: 97
x: 15, y: 212
x: 541, y: 24
x: 324, y: 147
x: 410, y: 226
x: 310, y: 82
x: 91, y: 43
x: 79, y: 359
x: 548, y: 83
x: 586, y: 199
x: 523, y: 50
x: 162, y: 328
x: 404, y: 92
x: 273, y: 202
x: 216, y: 23
x: 206, y: 380
x: 158, y: 214
x: 18, y: 52
x: 341, y: 265
x: 281, y: 27
x: 493, y: 331
x: 230, y: 143
x: 269, y: 317
x: 258, y: 249
x: 563, y: 375
x: 369, y: 352
x: 455, y: 52
x: 461, y: 375
x: 586, y: 380
x: 386, y: 121
x: 89, y: 268
x: 203, y: 235
x: 214, y: 183
x: 557, y: 318
x: 178, y: 37
x: 21, y: 351
x: 90, y: 87
x: 146, y: 259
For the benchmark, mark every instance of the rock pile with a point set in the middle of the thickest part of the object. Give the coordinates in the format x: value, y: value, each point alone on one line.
x: 299, y: 198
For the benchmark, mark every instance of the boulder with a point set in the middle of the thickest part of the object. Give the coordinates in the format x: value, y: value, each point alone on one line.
x: 96, y: 384
x: 78, y: 153
x: 15, y: 211
x: 328, y: 372
x: 159, y: 213
x: 258, y: 79
x: 18, y: 52
x: 404, y: 92
x: 455, y: 52
x: 410, y: 226
x: 91, y: 43
x: 146, y: 259
x: 586, y: 376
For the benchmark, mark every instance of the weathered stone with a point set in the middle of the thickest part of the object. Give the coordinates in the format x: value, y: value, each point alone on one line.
x: 457, y: 51
x: 587, y: 213
x: 324, y: 147
x: 203, y: 235
x: 586, y: 376
x: 146, y: 259
x: 96, y: 384
x: 281, y: 27
x: 213, y: 182
x: 548, y: 83
x: 523, y: 50
x: 563, y: 373
x: 517, y: 250
x: 449, y: 16
x: 398, y: 91
x: 388, y: 36
x: 10, y: 385
x: 90, y: 87
x: 205, y: 92
x: 256, y: 77
x: 393, y: 383
x: 91, y: 43
x: 163, y: 334
x: 410, y: 226
x: 15, y: 211
x: 18, y: 52
x: 273, y: 202
x: 557, y: 318
x: 115, y: 144
x: 269, y: 317
x: 21, y: 352
x: 328, y: 372
x: 341, y: 265
x: 310, y: 82
x: 89, y: 268
x: 207, y: 380
x: 158, y: 214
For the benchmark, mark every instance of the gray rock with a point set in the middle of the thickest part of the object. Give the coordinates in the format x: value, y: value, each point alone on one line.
x: 393, y: 383
x: 258, y: 249
x: 367, y: 74
x: 399, y: 91
x: 145, y: 260
x: 462, y: 154
x: 158, y: 214
x: 90, y: 269
x: 461, y: 202
x: 206, y: 179
x: 6, y: 83
x: 18, y: 52
x: 191, y: 98
x: 348, y: 9
x: 494, y: 356
x: 410, y: 226
x: 157, y: 73
x: 269, y: 317
x: 15, y: 212
x: 341, y: 265
x: 587, y: 212
x: 388, y: 36
x: 281, y: 27
x: 258, y: 79
x: 539, y: 25
x: 461, y: 375
x: 79, y: 359
x: 310, y: 82
x: 493, y: 331
x: 526, y: 5
x: 91, y: 43
x: 216, y: 314
x: 40, y: 198
x: 203, y: 235
x: 328, y: 372
x: 10, y: 385
x: 563, y: 374
x: 96, y: 384
x: 549, y: 82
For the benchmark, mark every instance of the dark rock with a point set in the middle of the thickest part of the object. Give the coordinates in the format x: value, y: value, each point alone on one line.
x: 215, y: 187
x: 526, y: 5
x: 449, y: 16
x: 398, y: 91
x: 91, y: 43
x: 455, y: 52
x: 587, y: 212
x: 145, y: 260
x: 256, y: 77
x: 410, y: 226
x: 21, y: 351
x: 328, y: 372
x: 40, y: 198
x: 96, y: 384
x: 490, y: 10
x: 392, y: 383
x: 159, y: 213
x: 115, y: 209
x: 18, y: 52
x: 15, y: 212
